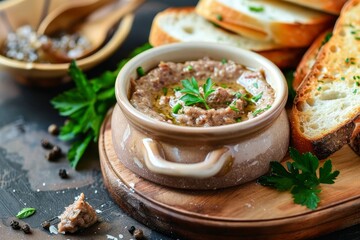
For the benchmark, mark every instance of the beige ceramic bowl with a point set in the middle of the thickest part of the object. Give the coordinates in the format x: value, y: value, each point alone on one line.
x: 16, y: 13
x: 197, y: 157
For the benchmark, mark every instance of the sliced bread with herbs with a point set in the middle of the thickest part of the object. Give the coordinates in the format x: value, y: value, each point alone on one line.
x: 184, y: 25
x: 328, y: 101
x: 330, y: 6
x: 269, y: 20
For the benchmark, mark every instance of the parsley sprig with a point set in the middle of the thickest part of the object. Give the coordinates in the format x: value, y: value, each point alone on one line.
x: 86, y: 106
x: 301, y: 178
x: 192, y: 92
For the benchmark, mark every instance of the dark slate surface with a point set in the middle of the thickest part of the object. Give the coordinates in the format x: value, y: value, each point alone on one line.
x: 28, y: 180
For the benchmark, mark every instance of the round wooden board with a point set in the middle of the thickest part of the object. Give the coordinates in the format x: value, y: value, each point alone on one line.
x: 249, y: 211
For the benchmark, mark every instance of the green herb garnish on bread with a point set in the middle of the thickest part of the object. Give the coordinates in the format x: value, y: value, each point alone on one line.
x: 322, y: 121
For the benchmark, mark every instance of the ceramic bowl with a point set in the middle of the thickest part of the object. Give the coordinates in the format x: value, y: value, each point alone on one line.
x: 199, y: 157
x: 12, y: 15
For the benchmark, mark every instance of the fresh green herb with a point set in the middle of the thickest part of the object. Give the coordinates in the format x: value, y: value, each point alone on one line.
x: 192, y: 93
x: 256, y: 85
x: 300, y: 178
x: 319, y: 88
x: 140, y: 71
x: 350, y: 60
x: 223, y: 85
x: 86, y: 106
x: 165, y: 91
x: 176, y: 89
x: 224, y: 60
x: 238, y: 119
x: 256, y: 8
x: 289, y: 75
x: 257, y: 97
x: 326, y: 39
x: 343, y: 78
x: 260, y: 110
x: 176, y: 108
x: 355, y: 91
x: 235, y: 109
x: 25, y: 212
x: 219, y: 17
x: 357, y: 38
x: 189, y: 68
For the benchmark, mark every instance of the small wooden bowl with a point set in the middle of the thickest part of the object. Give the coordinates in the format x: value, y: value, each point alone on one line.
x: 48, y: 74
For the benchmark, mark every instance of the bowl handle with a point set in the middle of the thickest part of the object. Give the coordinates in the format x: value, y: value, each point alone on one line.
x: 214, y: 162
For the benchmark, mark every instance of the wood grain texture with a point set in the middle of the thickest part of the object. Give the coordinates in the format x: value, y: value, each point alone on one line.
x: 249, y: 211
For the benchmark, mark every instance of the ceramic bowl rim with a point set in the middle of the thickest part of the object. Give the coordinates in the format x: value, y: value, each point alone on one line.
x: 149, y: 123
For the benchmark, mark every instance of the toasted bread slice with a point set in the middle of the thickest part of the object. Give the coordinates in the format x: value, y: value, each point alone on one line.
x: 329, y: 6
x: 328, y: 101
x: 309, y: 58
x: 269, y: 20
x: 184, y: 25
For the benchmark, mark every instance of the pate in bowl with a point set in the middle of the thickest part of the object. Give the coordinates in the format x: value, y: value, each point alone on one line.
x: 200, y: 115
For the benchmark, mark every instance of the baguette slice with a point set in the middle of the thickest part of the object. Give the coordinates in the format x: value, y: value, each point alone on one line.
x: 269, y: 20
x: 328, y: 101
x: 329, y: 6
x: 184, y: 25
x: 309, y: 58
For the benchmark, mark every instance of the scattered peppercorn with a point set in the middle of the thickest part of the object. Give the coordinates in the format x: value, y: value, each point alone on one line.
x: 15, y: 225
x: 132, y: 229
x: 46, y: 144
x: 54, y: 154
x: 26, y: 228
x: 45, y: 224
x: 138, y: 234
x: 63, y: 174
x: 56, y: 150
x: 51, y: 156
x: 53, y: 129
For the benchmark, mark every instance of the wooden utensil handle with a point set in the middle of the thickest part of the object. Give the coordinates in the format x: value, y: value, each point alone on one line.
x: 213, y: 163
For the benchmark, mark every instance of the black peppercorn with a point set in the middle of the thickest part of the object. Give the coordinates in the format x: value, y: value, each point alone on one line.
x: 51, y: 156
x: 63, y: 174
x: 46, y: 144
x: 53, y: 129
x: 131, y: 229
x: 26, y: 228
x: 15, y: 225
x: 57, y: 151
x: 138, y: 234
x: 45, y: 224
x: 54, y: 154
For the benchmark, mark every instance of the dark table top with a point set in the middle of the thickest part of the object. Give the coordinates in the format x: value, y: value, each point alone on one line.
x: 27, y: 179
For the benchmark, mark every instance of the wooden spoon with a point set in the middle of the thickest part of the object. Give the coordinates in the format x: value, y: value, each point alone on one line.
x: 95, y: 31
x: 66, y: 15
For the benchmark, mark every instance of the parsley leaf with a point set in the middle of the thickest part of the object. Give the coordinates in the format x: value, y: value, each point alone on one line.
x: 300, y: 178
x: 25, y: 212
x: 192, y: 92
x: 86, y: 106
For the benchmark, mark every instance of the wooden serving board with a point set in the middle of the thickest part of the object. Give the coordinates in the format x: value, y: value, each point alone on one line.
x: 249, y: 211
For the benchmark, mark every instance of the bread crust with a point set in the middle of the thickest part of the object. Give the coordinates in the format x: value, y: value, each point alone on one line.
x: 158, y: 36
x: 283, y: 58
x: 309, y: 58
x: 324, y: 144
x: 286, y: 34
x: 330, y: 6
